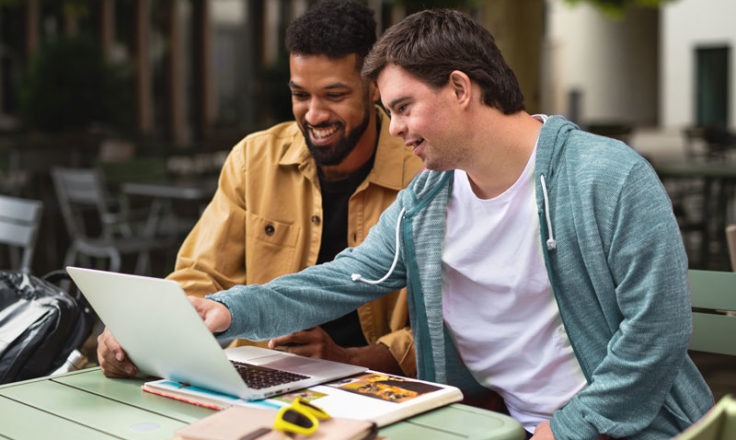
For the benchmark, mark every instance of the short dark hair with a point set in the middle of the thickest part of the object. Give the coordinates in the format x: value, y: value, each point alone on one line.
x: 431, y: 44
x: 333, y: 28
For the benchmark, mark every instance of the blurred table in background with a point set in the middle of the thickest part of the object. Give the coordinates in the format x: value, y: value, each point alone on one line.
x: 706, y: 186
x: 173, y: 208
x: 162, y: 218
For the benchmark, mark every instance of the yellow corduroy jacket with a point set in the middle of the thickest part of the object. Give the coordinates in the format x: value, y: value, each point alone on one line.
x: 265, y: 220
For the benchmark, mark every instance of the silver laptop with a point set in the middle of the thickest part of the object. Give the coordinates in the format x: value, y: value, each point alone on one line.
x: 164, y: 336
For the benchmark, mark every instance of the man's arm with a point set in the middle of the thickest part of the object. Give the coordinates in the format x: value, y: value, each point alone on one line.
x: 646, y: 262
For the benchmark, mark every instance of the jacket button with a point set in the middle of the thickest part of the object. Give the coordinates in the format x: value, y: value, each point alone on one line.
x: 269, y: 229
x: 315, y: 219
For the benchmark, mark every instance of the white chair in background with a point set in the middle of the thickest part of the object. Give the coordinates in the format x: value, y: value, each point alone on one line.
x: 19, y: 222
x: 731, y: 239
x: 81, y: 195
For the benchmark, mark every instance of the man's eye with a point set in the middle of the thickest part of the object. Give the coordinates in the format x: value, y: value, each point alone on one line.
x: 299, y: 95
x: 401, y: 109
x: 336, y: 95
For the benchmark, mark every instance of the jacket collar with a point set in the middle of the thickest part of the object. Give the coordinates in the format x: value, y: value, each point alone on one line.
x: 390, y: 154
x: 550, y: 145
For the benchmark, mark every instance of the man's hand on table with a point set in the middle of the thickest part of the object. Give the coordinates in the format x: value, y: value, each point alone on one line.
x: 316, y: 343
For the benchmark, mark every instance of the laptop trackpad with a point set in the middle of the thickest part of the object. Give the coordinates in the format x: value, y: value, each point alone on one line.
x: 295, y: 364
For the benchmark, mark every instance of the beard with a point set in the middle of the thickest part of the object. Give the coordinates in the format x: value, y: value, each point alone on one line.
x: 334, y: 154
x: 337, y: 152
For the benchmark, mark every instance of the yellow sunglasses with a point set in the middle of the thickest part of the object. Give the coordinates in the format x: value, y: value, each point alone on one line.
x: 301, y: 417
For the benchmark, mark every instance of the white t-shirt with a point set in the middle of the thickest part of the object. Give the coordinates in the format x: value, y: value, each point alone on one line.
x: 498, y: 303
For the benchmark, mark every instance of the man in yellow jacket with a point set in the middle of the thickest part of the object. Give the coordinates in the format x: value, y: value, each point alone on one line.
x: 298, y: 193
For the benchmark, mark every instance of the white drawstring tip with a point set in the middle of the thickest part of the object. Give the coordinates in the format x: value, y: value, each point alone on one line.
x: 551, y: 243
x: 357, y: 277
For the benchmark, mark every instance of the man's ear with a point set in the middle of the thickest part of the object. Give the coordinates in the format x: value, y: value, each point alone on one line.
x: 373, y: 92
x: 461, y: 86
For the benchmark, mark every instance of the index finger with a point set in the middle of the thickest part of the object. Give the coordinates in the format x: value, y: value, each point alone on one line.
x: 296, y: 338
x: 284, y: 341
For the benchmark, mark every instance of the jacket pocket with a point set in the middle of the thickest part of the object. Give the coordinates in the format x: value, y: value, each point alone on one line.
x: 270, y: 231
x: 270, y: 248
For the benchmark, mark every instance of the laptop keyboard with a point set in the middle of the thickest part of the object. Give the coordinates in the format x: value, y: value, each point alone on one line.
x: 258, y: 377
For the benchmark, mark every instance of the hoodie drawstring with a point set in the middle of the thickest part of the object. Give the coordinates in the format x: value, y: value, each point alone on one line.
x: 551, y: 242
x: 357, y: 277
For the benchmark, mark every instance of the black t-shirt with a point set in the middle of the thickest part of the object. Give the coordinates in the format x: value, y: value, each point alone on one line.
x: 345, y: 331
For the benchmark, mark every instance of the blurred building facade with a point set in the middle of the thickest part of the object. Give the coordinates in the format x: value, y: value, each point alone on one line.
x: 670, y: 67
x: 599, y: 69
x: 698, y: 70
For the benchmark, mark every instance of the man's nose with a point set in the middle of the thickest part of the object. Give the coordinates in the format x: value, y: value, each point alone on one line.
x: 396, y: 127
x: 317, y: 113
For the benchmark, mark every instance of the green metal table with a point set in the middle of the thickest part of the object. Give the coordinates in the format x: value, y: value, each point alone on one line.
x: 86, y: 405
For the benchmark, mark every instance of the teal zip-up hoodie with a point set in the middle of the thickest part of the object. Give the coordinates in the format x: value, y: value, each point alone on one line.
x: 615, y: 261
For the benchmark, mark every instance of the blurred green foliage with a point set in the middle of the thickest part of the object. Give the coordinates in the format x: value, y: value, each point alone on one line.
x: 11, y: 2
x: 618, y: 7
x: 79, y: 7
x: 69, y: 86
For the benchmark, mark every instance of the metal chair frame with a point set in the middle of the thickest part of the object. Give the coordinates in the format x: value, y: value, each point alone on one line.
x: 78, y: 188
x: 19, y: 223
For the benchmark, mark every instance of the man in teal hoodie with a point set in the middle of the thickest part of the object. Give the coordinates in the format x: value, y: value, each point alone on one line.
x: 542, y: 262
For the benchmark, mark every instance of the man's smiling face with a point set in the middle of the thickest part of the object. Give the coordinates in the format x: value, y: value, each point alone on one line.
x: 423, y: 117
x: 330, y: 103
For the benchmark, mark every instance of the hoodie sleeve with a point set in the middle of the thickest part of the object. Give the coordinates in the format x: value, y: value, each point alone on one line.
x: 646, y: 261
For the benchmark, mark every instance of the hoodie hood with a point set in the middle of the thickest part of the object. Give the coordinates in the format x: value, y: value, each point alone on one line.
x: 551, y: 145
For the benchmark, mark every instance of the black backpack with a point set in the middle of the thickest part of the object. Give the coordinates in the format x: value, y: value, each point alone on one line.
x: 40, y: 325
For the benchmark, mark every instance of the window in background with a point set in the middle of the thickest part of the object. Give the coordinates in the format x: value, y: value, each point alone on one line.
x: 711, y: 88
